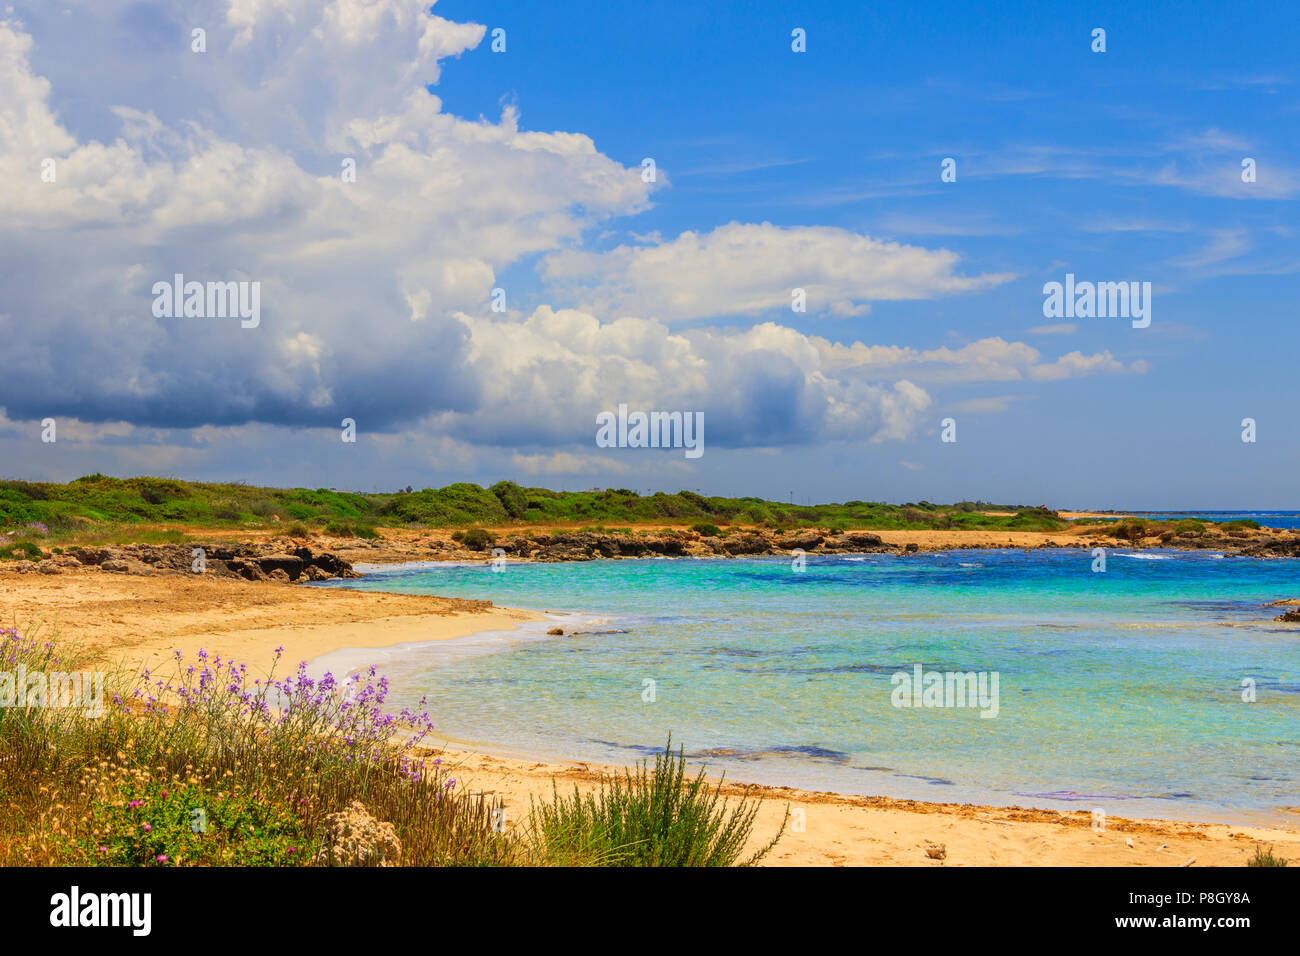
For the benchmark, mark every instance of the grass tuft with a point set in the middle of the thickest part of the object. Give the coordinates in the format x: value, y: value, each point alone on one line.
x: 646, y: 817
x: 1265, y: 857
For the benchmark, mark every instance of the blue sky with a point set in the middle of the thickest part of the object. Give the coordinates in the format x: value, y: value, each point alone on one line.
x: 521, y: 170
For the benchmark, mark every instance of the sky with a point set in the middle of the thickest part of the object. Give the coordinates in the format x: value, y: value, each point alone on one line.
x: 377, y: 168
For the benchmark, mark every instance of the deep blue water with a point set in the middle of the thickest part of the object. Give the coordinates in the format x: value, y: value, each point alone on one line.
x: 1268, y: 519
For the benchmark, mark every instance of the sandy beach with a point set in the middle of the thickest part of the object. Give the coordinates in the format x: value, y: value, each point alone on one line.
x: 142, y: 619
x: 840, y: 830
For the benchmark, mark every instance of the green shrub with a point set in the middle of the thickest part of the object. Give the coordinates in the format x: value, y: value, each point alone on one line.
x: 698, y: 502
x: 297, y: 530
x: 157, y: 825
x: 365, y: 531
x: 648, y: 818
x: 19, y: 551
x: 708, y: 530
x: 1242, y: 524
x: 512, y: 498
x: 340, y: 529
x: 463, y: 503
x: 1130, y: 529
x: 476, y: 539
x: 1265, y: 857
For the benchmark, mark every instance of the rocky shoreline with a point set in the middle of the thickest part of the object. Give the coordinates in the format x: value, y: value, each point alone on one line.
x: 296, y: 560
x: 280, y: 561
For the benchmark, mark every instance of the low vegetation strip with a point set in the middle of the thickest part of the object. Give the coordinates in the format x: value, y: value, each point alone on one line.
x: 99, y: 499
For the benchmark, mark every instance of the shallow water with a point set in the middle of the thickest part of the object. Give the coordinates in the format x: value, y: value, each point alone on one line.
x: 1120, y: 690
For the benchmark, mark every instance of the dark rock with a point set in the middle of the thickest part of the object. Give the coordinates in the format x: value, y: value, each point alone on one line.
x: 246, y: 568
x: 667, y: 544
x: 630, y: 547
x: 91, y: 555
x: 290, y: 564
x: 862, y: 539
x: 516, y: 544
x: 327, y: 561
x: 746, y: 543
x: 580, y: 546
x: 807, y: 540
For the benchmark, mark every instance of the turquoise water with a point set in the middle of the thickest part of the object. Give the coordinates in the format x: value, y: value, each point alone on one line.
x: 1120, y: 690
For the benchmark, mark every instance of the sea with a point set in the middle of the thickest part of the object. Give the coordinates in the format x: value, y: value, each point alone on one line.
x: 1266, y: 519
x: 1159, y: 685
